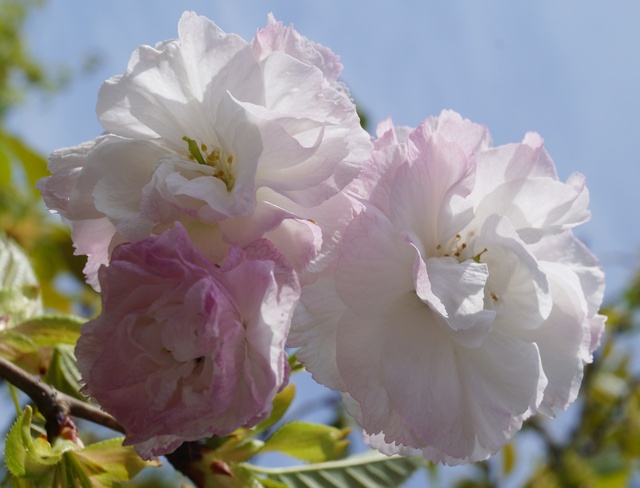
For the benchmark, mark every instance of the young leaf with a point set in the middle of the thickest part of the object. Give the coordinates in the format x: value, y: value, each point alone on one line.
x: 63, y: 371
x: 242, y: 478
x: 34, y: 165
x: 281, y: 404
x: 313, y: 443
x: 32, y: 458
x: 241, y: 445
x: 368, y: 470
x: 19, y: 291
x: 51, y: 330
x: 66, y: 463
x: 295, y: 365
x: 269, y: 483
x: 31, y: 344
x: 15, y: 449
x: 13, y: 346
x: 107, y: 462
x: 5, y: 167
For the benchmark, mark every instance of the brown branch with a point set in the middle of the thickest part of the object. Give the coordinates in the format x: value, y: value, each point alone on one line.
x: 54, y: 405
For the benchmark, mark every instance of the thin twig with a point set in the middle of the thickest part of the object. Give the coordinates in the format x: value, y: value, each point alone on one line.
x: 56, y: 407
x: 53, y: 404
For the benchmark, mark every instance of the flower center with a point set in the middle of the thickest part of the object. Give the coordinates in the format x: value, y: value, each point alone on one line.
x: 457, y: 248
x: 454, y: 248
x: 217, y: 158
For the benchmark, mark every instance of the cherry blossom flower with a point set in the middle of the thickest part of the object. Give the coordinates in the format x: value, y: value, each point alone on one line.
x: 235, y: 140
x: 460, y: 303
x: 185, y: 349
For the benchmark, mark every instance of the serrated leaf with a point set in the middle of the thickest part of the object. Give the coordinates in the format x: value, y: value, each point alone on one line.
x: 368, y: 470
x: 14, y: 346
x: 19, y: 290
x: 32, y: 344
x: 15, y: 451
x: 313, y: 443
x: 72, y: 473
x: 32, y: 458
x: 63, y: 371
x: 108, y: 462
x: 51, y: 330
x: 66, y: 464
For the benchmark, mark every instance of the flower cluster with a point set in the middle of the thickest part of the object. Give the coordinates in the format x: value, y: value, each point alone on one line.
x: 235, y: 140
x: 234, y: 205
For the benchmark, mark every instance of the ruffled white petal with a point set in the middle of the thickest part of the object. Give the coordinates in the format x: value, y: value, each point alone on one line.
x: 461, y: 302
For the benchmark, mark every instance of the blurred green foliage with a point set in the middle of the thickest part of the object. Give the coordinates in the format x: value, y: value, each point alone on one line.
x: 603, y: 448
x: 18, y: 69
x: 22, y: 214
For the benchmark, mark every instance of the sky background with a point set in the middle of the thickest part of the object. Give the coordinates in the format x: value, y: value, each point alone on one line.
x: 568, y: 70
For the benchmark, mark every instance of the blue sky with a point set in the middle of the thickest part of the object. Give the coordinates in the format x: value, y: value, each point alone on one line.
x: 569, y: 70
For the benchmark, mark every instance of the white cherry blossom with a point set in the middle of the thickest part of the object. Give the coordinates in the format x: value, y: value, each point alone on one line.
x: 234, y: 140
x: 459, y: 302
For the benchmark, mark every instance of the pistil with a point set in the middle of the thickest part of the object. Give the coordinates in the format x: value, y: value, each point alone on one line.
x: 217, y: 159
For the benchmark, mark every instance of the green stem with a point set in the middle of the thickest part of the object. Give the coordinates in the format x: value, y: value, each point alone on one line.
x: 14, y: 397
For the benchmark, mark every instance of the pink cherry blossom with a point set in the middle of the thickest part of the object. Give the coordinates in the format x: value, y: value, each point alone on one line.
x: 185, y: 349
x: 235, y: 140
x: 459, y: 302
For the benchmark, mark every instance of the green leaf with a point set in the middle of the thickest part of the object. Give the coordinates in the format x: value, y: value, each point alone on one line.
x: 33, y: 163
x: 106, y: 462
x: 13, y: 346
x: 32, y: 458
x: 281, y: 404
x: 19, y: 290
x: 269, y: 483
x: 241, y: 445
x: 508, y: 458
x: 242, y: 478
x: 32, y: 343
x: 613, y: 480
x: 63, y: 371
x: 5, y: 168
x: 51, y: 330
x: 238, y: 451
x: 15, y: 451
x: 295, y: 365
x: 67, y: 464
x: 368, y: 470
x: 313, y: 443
x: 72, y: 474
